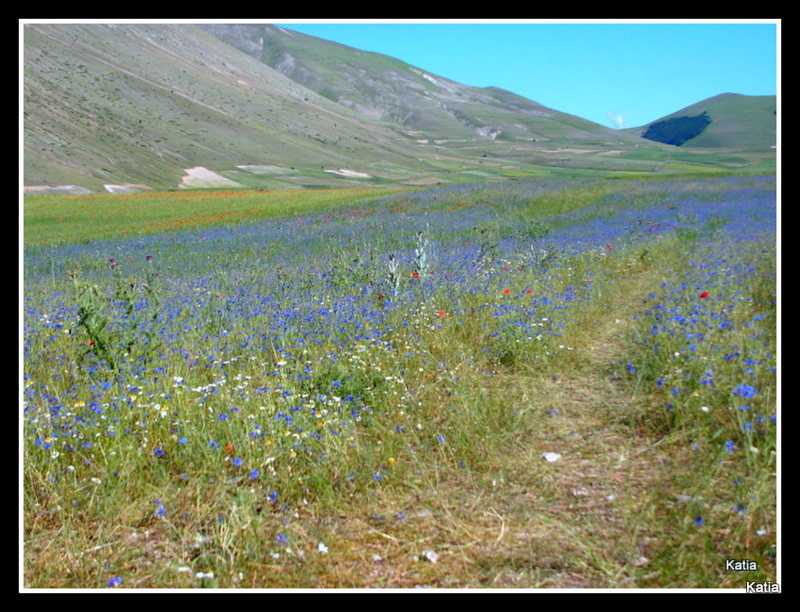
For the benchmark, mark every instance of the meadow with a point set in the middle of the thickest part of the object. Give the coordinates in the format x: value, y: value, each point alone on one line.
x: 521, y: 385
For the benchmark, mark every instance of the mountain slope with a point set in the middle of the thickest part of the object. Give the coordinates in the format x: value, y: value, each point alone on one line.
x: 728, y: 120
x: 141, y: 104
x: 384, y: 88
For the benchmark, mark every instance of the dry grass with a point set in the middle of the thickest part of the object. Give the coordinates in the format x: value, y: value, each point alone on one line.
x: 585, y: 521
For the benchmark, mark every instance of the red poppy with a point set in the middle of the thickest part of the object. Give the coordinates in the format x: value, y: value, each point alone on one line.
x: 506, y: 291
x: 441, y: 313
x: 704, y: 295
x: 415, y: 274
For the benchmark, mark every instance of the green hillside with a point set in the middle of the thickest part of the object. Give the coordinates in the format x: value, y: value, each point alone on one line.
x: 381, y: 87
x: 729, y: 120
x: 141, y: 104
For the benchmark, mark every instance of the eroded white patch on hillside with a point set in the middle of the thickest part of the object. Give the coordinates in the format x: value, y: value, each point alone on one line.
x: 203, y: 177
x: 71, y: 189
x: 264, y: 169
x: 126, y: 188
x: 350, y: 173
x: 432, y: 79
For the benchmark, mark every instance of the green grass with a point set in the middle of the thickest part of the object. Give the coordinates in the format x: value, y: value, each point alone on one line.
x: 439, y: 482
x: 50, y: 219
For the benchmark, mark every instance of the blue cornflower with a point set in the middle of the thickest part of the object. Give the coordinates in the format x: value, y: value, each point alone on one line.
x: 282, y: 538
x: 159, y: 452
x: 182, y: 440
x: 440, y: 439
x: 729, y: 446
x: 114, y: 582
x: 699, y: 521
x: 253, y: 474
x: 160, y: 509
x: 237, y: 462
x: 744, y: 390
x: 213, y: 444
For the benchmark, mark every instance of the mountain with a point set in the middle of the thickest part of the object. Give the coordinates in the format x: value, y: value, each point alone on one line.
x: 383, y: 88
x: 108, y: 104
x: 119, y: 108
x: 728, y: 120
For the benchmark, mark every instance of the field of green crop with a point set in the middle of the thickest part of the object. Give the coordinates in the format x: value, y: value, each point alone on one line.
x: 524, y: 385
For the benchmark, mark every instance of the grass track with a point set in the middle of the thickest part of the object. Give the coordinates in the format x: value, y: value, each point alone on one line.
x: 526, y: 523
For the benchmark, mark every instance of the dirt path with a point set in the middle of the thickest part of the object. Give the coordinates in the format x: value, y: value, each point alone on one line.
x: 575, y: 522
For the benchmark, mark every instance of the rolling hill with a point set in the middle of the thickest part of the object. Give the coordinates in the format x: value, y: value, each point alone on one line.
x: 724, y: 121
x: 140, y: 106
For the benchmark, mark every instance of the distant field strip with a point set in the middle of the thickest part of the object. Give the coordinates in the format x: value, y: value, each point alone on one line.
x: 69, y: 218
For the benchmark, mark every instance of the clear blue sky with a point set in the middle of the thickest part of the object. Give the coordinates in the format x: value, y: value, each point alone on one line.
x: 615, y: 74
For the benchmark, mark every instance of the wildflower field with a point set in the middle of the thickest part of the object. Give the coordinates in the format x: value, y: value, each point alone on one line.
x: 525, y: 385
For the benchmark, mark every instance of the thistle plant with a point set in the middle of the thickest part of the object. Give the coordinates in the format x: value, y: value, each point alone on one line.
x: 393, y: 277
x: 488, y: 243
x: 93, y: 322
x: 421, y: 254
x: 534, y: 230
x: 123, y: 325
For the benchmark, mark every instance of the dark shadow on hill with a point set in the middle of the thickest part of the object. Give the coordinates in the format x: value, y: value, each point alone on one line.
x: 678, y: 130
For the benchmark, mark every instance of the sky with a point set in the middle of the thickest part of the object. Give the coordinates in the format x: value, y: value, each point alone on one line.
x: 617, y: 74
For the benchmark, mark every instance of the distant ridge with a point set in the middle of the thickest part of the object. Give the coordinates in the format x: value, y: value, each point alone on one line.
x: 380, y: 87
